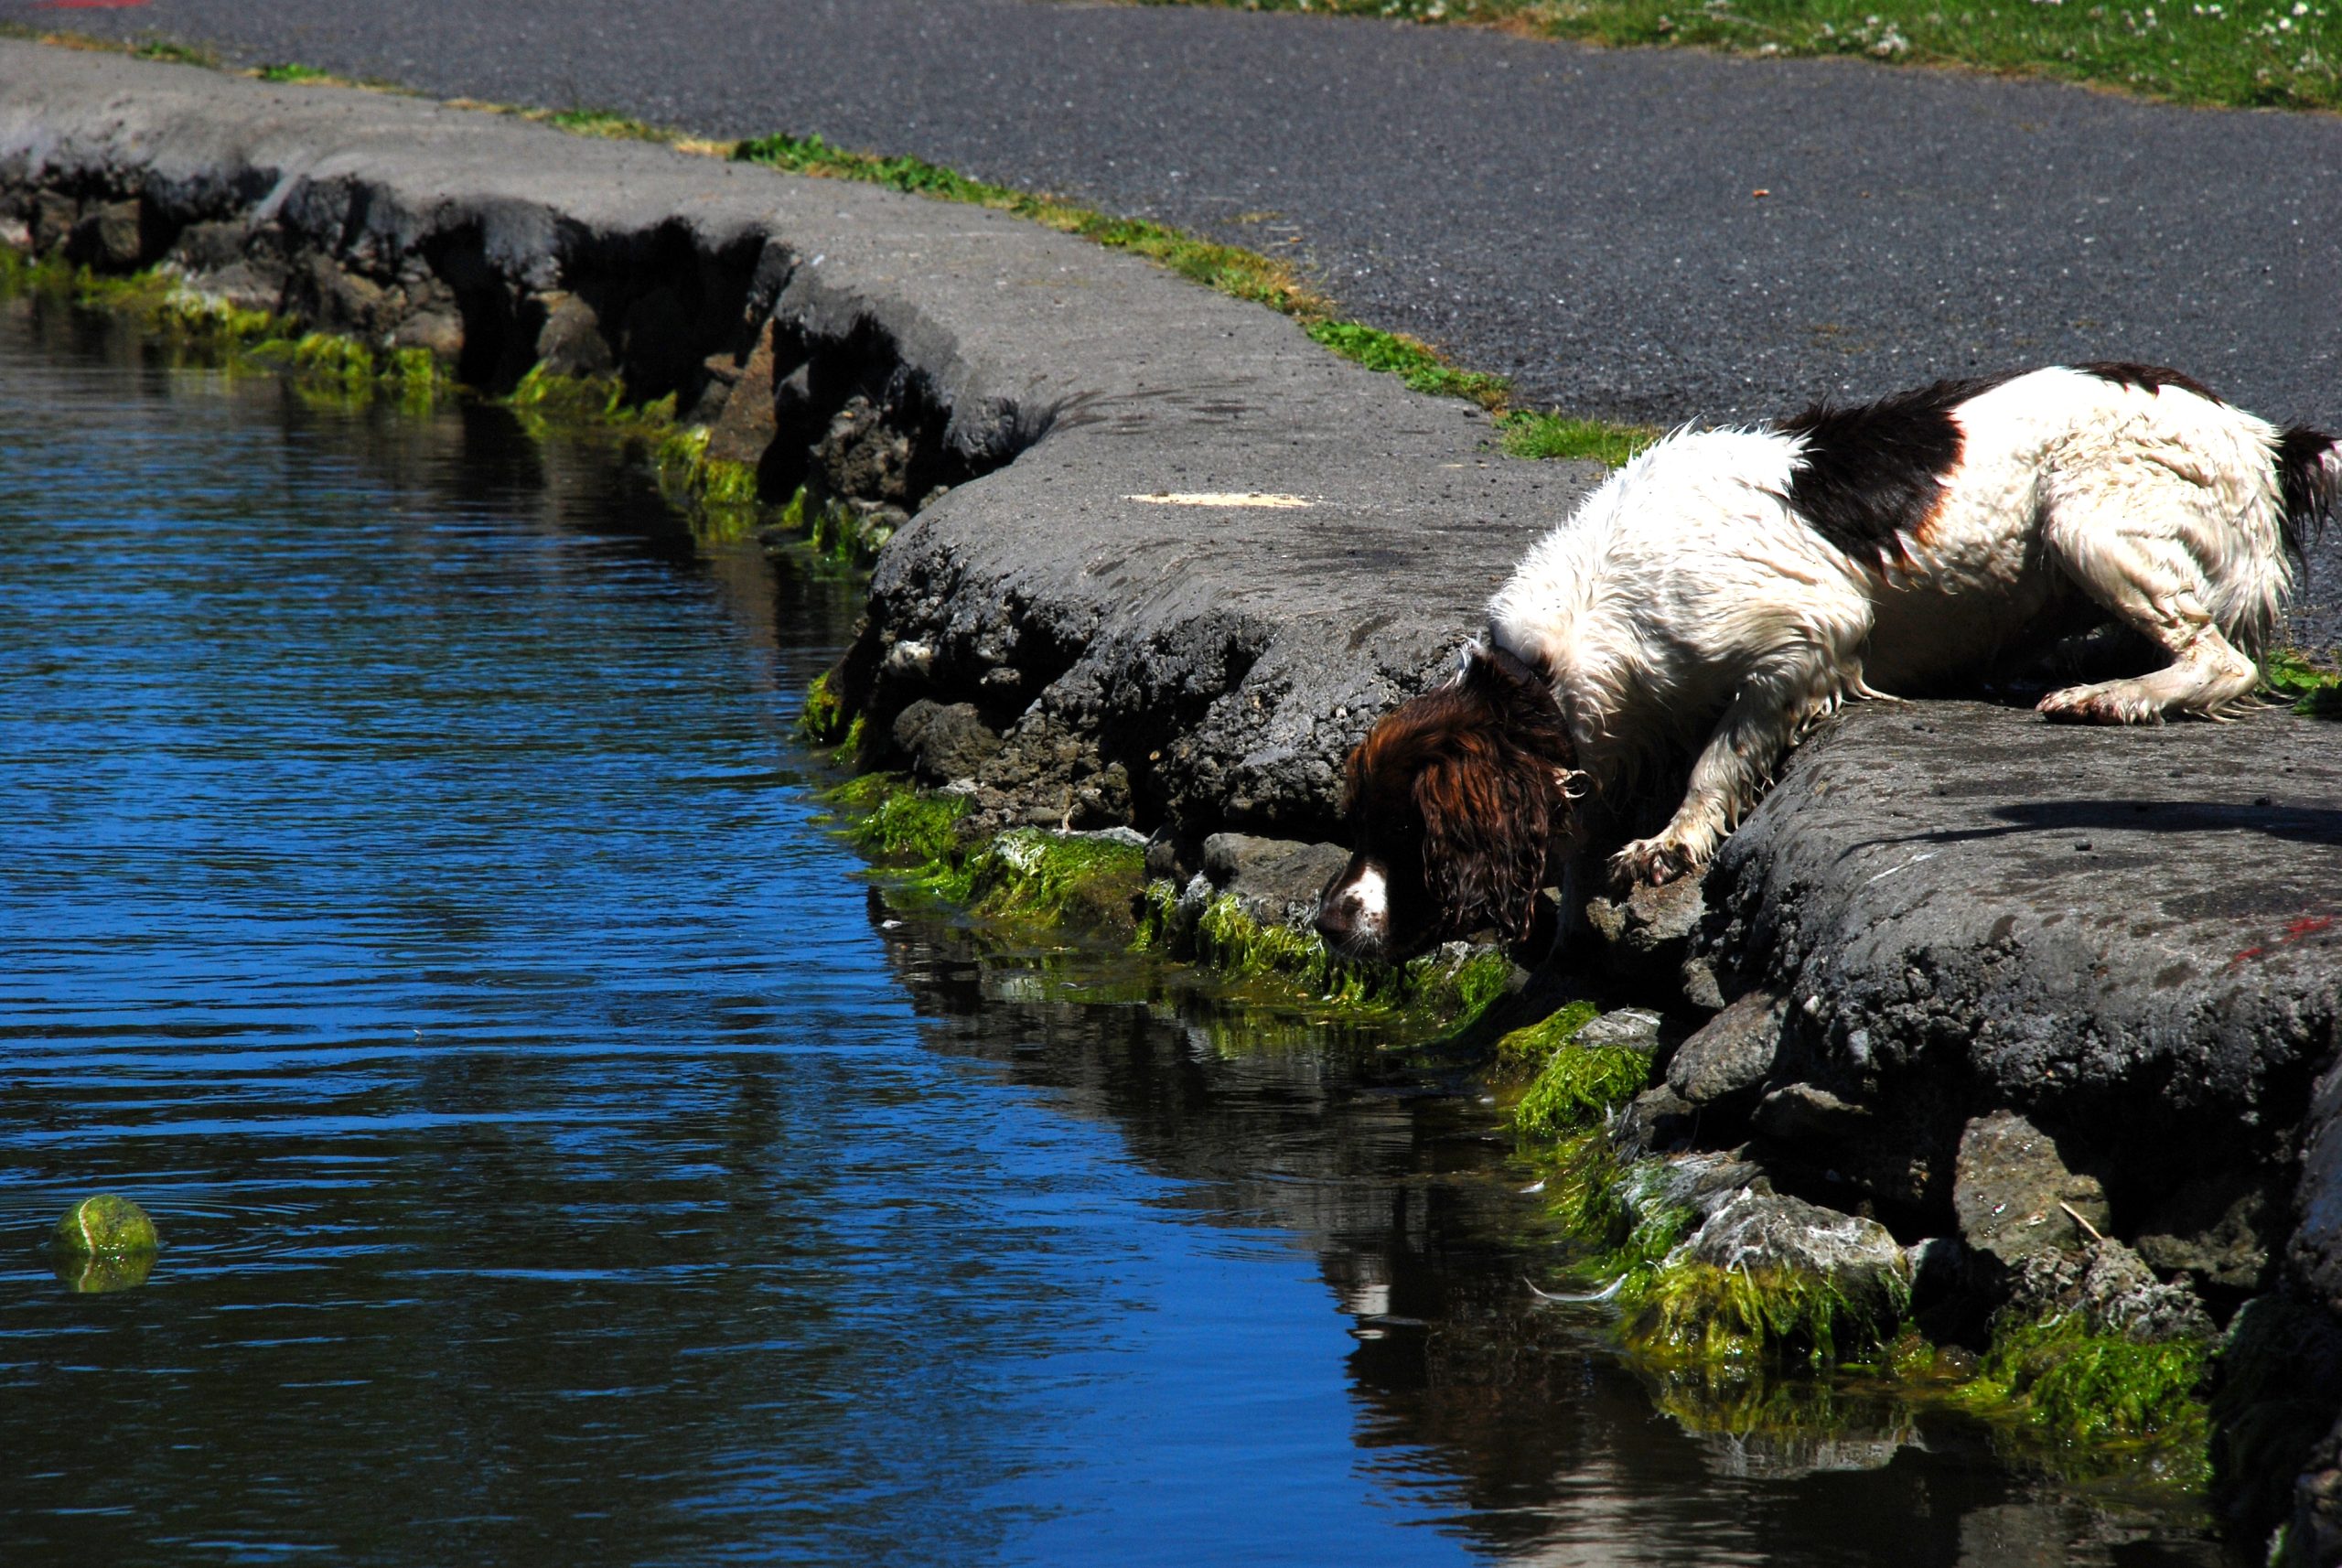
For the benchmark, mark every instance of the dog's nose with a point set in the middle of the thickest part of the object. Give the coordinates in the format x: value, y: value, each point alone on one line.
x: 1351, y: 912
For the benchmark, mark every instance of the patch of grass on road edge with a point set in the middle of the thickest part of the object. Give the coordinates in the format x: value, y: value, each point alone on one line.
x: 2284, y: 54
x: 1232, y: 270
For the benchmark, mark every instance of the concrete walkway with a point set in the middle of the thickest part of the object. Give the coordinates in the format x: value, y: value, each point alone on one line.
x: 1585, y: 221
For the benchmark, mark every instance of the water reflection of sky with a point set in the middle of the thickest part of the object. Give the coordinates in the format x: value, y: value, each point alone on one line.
x: 401, y: 894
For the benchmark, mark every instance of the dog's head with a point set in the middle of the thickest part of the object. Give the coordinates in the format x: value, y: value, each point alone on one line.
x: 1458, y: 801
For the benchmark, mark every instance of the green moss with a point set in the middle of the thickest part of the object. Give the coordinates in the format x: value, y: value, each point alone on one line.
x: 899, y: 823
x: 604, y: 123
x: 137, y: 293
x: 1523, y: 1053
x: 174, y: 52
x: 21, y: 271
x: 545, y: 391
x: 332, y: 358
x: 1578, y: 1087
x: 823, y: 719
x: 1220, y: 937
x: 2314, y: 689
x: 1023, y: 876
x: 836, y: 529
x: 719, y: 495
x: 289, y: 71
x: 1026, y: 874
x: 1541, y: 435
x: 214, y: 324
x: 720, y: 481
x: 229, y: 336
x: 2075, y: 1386
x: 1684, y: 1311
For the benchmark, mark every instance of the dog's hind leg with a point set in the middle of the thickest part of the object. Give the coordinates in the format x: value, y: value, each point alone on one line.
x: 2142, y: 550
x: 1780, y: 700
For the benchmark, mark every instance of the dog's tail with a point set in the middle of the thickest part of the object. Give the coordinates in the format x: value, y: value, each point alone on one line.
x: 2309, y: 485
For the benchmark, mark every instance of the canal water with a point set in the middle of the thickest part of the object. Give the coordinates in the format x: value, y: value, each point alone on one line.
x: 410, y: 892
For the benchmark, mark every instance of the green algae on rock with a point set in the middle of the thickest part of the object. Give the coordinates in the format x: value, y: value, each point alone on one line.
x: 2078, y: 1385
x: 1577, y: 1084
x: 1456, y: 981
x: 1089, y: 881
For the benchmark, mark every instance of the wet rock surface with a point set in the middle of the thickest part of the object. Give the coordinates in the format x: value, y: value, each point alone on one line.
x: 2113, y: 1290
x: 1757, y: 1232
x: 1272, y: 880
x: 2015, y: 1196
x: 1724, y: 1066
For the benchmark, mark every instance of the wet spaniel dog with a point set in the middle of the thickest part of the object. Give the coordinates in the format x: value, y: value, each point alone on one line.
x: 1728, y: 588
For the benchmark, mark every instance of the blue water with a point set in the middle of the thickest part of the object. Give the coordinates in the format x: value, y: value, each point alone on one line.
x: 410, y: 892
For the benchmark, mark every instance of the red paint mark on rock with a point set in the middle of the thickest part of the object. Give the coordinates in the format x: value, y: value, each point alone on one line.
x: 2306, y: 925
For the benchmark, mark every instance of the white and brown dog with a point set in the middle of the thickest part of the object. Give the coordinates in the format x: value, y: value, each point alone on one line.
x: 1727, y: 588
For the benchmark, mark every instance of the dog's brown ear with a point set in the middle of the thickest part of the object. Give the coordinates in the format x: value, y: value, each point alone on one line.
x: 1489, y: 820
x: 1496, y: 796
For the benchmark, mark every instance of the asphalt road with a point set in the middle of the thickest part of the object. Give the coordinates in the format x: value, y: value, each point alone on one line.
x: 1584, y: 220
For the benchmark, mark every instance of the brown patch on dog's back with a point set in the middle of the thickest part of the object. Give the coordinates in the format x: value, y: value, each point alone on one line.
x: 1871, y: 476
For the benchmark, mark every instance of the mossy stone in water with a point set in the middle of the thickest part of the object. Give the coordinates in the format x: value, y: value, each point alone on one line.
x: 105, y: 1226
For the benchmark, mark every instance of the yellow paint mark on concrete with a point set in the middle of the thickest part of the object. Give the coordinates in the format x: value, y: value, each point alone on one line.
x: 1224, y: 498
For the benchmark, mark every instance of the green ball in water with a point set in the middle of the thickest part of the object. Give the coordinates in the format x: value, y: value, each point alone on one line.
x: 105, y: 1226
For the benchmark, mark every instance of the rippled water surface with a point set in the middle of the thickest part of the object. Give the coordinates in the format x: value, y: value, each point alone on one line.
x: 408, y: 891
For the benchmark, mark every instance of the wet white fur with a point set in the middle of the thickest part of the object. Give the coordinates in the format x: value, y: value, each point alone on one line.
x: 1687, y: 608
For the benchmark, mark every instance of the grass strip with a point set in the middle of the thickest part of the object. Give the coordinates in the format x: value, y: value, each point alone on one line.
x: 2284, y: 54
x: 2313, y: 689
x: 1230, y: 269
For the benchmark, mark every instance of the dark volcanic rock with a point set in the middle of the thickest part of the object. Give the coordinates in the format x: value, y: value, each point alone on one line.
x: 571, y: 342
x: 1724, y: 1064
x: 1645, y: 937
x: 2225, y: 1229
x: 1655, y: 1120
x: 945, y: 743
x: 1637, y: 1028
x: 108, y: 238
x: 2130, y: 932
x: 747, y: 424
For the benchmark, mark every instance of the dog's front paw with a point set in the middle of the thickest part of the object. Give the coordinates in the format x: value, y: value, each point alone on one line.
x: 2113, y: 702
x: 1657, y: 861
